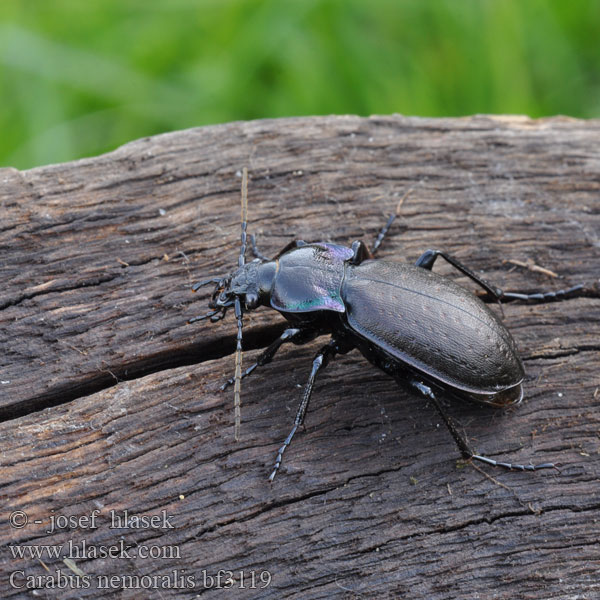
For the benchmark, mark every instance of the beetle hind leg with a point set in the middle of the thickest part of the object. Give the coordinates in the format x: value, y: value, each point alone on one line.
x: 465, y: 450
x: 428, y: 257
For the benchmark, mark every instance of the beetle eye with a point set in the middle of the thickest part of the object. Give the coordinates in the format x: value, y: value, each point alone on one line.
x: 251, y: 301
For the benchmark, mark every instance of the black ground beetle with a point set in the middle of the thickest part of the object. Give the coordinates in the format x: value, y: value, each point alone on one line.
x: 421, y: 328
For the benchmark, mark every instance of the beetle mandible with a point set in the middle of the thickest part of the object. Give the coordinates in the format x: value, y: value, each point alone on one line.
x: 419, y: 327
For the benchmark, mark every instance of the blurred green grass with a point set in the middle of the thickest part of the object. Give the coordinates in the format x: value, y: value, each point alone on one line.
x: 79, y: 78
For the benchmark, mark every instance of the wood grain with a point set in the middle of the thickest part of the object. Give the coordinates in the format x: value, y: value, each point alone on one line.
x: 109, y: 400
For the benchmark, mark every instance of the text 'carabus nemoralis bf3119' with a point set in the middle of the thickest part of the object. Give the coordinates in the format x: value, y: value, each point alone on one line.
x: 419, y: 327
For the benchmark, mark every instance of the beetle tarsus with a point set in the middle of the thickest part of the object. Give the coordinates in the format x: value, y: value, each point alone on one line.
x: 571, y: 292
x: 209, y: 315
x: 512, y: 467
x: 281, y: 450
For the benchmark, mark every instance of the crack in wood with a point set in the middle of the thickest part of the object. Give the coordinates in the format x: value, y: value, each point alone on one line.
x: 113, y: 375
x: 96, y: 281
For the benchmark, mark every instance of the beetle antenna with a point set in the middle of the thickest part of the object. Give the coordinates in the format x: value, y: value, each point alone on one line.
x: 242, y: 257
x: 238, y: 312
x: 238, y: 370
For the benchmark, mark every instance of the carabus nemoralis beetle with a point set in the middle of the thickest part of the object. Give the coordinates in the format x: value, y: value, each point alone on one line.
x: 419, y: 327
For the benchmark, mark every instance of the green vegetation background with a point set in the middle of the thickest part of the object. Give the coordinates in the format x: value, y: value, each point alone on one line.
x: 80, y: 77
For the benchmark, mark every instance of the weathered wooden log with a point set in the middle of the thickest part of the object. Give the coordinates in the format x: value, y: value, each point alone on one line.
x: 110, y: 401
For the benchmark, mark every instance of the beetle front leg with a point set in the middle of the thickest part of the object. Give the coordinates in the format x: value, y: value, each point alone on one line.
x: 320, y: 362
x: 465, y: 450
x: 255, y: 250
x: 289, y: 335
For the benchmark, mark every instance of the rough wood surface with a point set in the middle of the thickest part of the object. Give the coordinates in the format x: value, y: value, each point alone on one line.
x: 109, y: 400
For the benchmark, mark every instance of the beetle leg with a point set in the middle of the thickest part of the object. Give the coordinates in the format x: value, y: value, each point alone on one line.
x: 209, y: 315
x: 382, y: 234
x: 360, y: 253
x: 388, y: 224
x: 320, y: 361
x: 293, y: 244
x: 491, y: 461
x: 255, y: 251
x: 465, y: 450
x: 267, y: 356
x: 426, y: 391
x: 428, y: 257
x: 572, y: 292
x: 213, y: 280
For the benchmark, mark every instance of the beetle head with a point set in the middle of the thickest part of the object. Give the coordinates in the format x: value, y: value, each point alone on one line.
x: 251, y: 284
x: 244, y: 285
